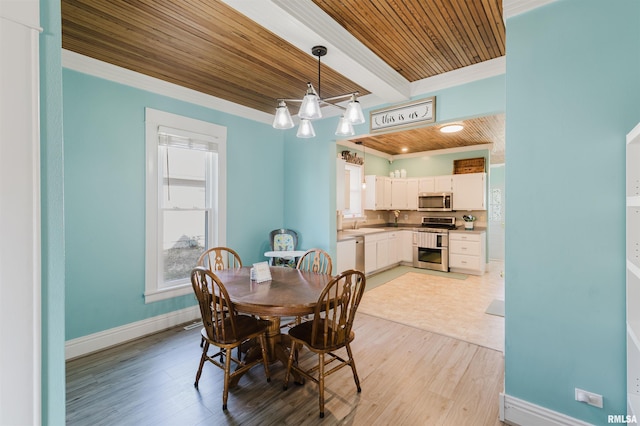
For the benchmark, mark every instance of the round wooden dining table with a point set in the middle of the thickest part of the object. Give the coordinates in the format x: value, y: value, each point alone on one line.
x: 290, y: 292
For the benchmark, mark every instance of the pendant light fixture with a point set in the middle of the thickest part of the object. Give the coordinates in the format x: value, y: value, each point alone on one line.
x: 310, y: 108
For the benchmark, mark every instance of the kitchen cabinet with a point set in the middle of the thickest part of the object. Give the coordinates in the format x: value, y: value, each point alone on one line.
x: 406, y: 246
x: 467, y: 252
x: 345, y: 256
x: 399, y: 195
x: 393, y: 239
x: 384, y: 193
x: 412, y: 193
x: 443, y: 183
x: 380, y: 250
x: 370, y: 253
x: 377, y: 193
x: 469, y: 191
x: 633, y: 271
x: 435, y: 184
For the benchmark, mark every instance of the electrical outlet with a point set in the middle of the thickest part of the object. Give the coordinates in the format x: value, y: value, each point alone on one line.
x: 589, y: 398
x: 406, y: 217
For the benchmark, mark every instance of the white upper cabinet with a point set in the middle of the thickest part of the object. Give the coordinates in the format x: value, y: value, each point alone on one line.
x: 427, y: 184
x: 443, y: 183
x: 412, y: 193
x: 435, y: 184
x: 469, y: 191
x: 384, y: 193
x: 378, y: 193
x: 399, y: 194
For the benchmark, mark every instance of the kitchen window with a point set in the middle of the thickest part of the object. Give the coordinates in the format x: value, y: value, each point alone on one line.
x: 185, y: 199
x: 353, y: 184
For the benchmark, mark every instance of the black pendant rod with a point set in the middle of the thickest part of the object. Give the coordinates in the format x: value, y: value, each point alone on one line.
x: 319, y: 51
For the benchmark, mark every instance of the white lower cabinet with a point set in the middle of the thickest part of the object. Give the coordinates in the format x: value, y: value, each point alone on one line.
x: 345, y: 256
x: 370, y: 253
x: 405, y: 245
x: 467, y: 252
x: 381, y: 250
x: 392, y: 246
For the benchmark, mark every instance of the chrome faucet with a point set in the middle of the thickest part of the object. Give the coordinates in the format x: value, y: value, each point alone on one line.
x: 355, y: 224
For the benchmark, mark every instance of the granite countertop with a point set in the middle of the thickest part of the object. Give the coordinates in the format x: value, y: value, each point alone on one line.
x: 475, y: 230
x: 349, y: 233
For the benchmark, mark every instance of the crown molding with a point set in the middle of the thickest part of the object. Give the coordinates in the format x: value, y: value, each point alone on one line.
x: 96, y: 68
x: 303, y: 24
x: 486, y: 69
x: 392, y: 158
x: 511, y: 8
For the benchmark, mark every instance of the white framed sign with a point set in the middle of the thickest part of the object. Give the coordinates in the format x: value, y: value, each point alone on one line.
x: 262, y: 272
x: 411, y: 114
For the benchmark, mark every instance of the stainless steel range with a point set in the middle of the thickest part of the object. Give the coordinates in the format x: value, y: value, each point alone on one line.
x: 431, y: 243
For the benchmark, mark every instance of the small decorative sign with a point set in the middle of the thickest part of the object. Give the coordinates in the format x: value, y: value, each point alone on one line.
x: 261, y: 272
x: 412, y: 114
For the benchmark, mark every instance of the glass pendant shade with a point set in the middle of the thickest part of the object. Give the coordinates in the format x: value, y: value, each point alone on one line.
x: 283, y: 119
x: 345, y: 128
x: 310, y: 108
x: 306, y: 129
x: 354, y: 111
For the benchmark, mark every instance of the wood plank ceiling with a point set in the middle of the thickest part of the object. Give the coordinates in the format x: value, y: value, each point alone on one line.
x: 212, y: 48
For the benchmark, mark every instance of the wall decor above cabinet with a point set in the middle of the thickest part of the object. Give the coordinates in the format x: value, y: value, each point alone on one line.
x: 468, y: 165
x: 410, y: 114
x: 352, y: 158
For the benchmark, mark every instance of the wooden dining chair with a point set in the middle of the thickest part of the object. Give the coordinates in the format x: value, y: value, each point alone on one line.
x: 225, y: 329
x: 313, y: 260
x: 219, y: 258
x: 329, y: 331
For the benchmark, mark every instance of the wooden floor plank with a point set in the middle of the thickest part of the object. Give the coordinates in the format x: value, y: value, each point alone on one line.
x: 408, y: 376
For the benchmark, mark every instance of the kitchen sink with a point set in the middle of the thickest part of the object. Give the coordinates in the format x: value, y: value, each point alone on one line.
x: 362, y: 231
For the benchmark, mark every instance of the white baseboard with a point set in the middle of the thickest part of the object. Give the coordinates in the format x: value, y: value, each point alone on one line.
x: 516, y: 411
x: 94, y: 342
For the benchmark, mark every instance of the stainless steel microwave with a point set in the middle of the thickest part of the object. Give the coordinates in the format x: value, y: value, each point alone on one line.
x: 435, y: 201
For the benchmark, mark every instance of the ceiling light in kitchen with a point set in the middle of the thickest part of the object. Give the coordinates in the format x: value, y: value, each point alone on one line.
x: 451, y: 128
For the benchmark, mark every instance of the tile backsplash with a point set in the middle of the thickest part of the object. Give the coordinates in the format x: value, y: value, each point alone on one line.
x: 380, y: 217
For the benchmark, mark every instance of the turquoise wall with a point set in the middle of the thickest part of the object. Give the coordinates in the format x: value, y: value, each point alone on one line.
x: 52, y: 221
x: 573, y: 92
x: 104, y: 188
x: 436, y: 165
x: 431, y: 165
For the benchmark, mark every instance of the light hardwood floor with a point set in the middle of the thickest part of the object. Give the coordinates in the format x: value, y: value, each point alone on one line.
x: 409, y: 377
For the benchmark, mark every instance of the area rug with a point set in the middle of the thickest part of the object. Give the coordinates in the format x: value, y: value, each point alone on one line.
x: 442, y: 305
x: 384, y: 277
x: 496, y: 308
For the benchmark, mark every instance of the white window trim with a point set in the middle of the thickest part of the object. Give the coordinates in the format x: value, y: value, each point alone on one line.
x: 362, y: 192
x: 155, y: 119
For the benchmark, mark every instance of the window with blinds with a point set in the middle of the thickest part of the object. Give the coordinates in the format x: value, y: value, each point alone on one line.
x: 184, y: 182
x: 188, y: 168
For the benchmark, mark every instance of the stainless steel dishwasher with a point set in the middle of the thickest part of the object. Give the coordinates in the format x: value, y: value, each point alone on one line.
x: 359, y: 253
